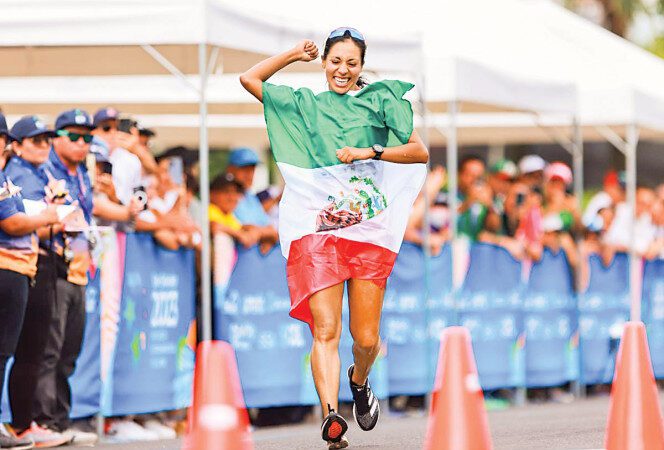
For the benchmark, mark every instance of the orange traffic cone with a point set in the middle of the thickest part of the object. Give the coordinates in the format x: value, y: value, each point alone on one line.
x: 219, y: 419
x: 635, y: 417
x: 457, y: 420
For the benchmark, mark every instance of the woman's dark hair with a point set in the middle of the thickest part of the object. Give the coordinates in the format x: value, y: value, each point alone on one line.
x: 361, y: 82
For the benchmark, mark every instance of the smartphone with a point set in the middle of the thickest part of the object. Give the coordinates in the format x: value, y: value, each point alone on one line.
x: 125, y: 125
x: 106, y: 167
x: 520, y: 198
x: 176, y: 170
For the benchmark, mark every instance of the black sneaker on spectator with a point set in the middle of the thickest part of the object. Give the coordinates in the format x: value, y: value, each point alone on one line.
x: 366, y: 409
x: 9, y: 441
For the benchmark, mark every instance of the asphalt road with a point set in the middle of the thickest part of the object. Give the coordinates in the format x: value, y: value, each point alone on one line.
x: 550, y: 426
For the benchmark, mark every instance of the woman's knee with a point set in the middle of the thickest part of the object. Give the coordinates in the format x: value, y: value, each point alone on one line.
x: 327, y: 331
x: 366, y: 340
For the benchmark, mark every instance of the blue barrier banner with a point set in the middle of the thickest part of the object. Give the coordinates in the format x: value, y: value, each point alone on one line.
x: 404, y: 324
x: 440, y: 306
x: 413, y: 321
x: 154, y: 356
x: 550, y: 322
x: 85, y: 382
x: 489, y: 305
x: 603, y: 309
x: 272, y: 349
x: 653, y: 312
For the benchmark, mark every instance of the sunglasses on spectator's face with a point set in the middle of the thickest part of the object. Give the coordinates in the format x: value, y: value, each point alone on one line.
x: 108, y: 127
x: 74, y: 137
x: 339, y: 32
x: 40, y: 140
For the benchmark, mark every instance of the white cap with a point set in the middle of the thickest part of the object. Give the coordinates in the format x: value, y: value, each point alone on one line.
x: 531, y: 163
x: 600, y: 201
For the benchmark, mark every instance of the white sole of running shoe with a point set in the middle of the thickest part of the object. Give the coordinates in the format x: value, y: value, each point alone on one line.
x: 343, y: 443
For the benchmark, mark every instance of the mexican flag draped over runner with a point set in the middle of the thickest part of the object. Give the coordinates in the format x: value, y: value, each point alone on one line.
x: 358, y: 211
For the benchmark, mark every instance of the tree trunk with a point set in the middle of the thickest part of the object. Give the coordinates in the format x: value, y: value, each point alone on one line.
x: 614, y: 17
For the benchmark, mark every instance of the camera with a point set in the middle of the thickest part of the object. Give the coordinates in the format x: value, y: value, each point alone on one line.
x: 141, y: 196
x: 125, y: 125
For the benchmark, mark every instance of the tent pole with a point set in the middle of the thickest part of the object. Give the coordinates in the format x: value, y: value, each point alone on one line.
x: 578, y: 390
x: 426, y: 223
x: 634, y: 262
x: 206, y: 270
x: 577, y: 158
x: 452, y: 187
x: 452, y: 166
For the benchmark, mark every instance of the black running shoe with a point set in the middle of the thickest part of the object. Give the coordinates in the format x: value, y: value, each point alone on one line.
x: 366, y: 409
x: 333, y: 429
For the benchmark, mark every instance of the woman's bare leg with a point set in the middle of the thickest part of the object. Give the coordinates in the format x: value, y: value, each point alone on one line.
x: 365, y: 302
x: 325, y: 363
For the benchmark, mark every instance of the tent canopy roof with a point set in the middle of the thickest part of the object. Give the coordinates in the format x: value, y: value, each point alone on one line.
x: 107, y: 24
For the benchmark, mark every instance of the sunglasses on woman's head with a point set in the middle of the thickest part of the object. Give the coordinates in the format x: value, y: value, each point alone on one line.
x: 74, y: 137
x: 339, y: 32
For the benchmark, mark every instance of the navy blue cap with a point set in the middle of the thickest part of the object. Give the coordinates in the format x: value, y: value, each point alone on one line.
x: 3, y: 127
x: 29, y: 126
x: 105, y: 114
x: 73, y: 118
x: 242, y: 157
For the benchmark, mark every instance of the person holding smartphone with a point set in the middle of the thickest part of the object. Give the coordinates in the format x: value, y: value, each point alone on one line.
x: 127, y: 169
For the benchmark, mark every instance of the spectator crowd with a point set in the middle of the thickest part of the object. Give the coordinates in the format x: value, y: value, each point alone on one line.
x: 60, y: 186
x: 529, y: 207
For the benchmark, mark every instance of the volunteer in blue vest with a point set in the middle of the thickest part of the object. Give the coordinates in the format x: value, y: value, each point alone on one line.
x: 67, y: 170
x: 19, y: 256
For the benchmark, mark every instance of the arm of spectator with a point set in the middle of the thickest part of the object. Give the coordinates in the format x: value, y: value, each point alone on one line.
x: 172, y: 220
x: 492, y: 221
x: 245, y: 236
x: 435, y: 181
x: 571, y: 251
x: 21, y: 224
x: 534, y: 250
x: 655, y: 249
x: 132, y: 144
x: 513, y: 246
x: 104, y: 184
x: 267, y: 237
x: 167, y: 239
x: 106, y: 209
x: 572, y: 205
x: 437, y: 240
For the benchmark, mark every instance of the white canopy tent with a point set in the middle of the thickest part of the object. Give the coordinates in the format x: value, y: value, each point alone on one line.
x: 176, y: 37
x: 456, y: 78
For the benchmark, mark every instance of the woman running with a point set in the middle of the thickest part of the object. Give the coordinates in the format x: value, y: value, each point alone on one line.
x: 353, y: 165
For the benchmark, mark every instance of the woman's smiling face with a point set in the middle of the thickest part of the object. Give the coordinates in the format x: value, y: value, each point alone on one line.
x: 343, y: 66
